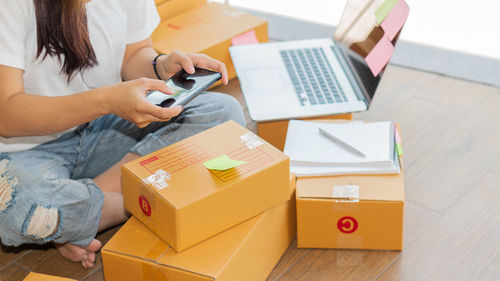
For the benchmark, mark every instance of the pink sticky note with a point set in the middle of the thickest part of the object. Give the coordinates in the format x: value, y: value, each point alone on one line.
x: 380, y: 55
x: 395, y: 20
x: 245, y: 38
x: 397, y: 135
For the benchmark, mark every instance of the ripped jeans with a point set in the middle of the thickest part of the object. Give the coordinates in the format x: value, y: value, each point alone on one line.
x: 47, y: 193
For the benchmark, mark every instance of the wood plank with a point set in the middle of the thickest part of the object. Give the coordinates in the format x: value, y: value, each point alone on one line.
x: 8, y: 255
x: 417, y: 220
x: 96, y: 276
x: 13, y: 273
x: 287, y: 261
x: 329, y: 264
x: 437, y: 144
x: 46, y: 260
x: 462, y: 242
x: 491, y: 271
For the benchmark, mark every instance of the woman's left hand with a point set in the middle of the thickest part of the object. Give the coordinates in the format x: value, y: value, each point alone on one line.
x: 177, y: 60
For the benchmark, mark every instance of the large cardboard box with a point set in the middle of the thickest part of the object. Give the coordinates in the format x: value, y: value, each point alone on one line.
x: 248, y: 251
x: 274, y: 132
x: 208, y: 29
x: 183, y: 202
x: 171, y: 8
x: 351, y: 212
x: 41, y: 277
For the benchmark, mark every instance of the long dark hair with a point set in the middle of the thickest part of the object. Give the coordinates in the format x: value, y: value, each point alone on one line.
x: 62, y: 32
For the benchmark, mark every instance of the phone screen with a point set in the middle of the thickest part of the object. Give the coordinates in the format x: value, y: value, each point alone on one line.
x: 185, y: 86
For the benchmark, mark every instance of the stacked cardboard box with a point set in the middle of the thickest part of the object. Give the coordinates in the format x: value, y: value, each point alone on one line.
x: 193, y: 223
x: 194, y: 26
x: 351, y: 211
x: 41, y: 277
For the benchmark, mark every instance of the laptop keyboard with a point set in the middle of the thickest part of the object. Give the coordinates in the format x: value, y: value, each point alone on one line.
x: 312, y: 76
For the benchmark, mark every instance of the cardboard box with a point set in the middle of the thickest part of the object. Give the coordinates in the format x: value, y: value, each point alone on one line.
x: 171, y: 8
x: 248, y: 251
x: 371, y: 219
x: 183, y: 202
x: 160, y: 1
x: 208, y: 29
x: 41, y: 277
x: 274, y: 132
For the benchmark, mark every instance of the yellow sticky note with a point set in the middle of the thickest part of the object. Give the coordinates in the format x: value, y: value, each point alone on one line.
x: 399, y: 149
x: 222, y: 163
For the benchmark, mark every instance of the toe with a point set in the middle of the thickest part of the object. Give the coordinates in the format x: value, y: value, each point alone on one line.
x: 91, y: 258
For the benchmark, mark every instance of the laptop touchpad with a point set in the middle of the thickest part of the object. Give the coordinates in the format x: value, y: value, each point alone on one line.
x: 263, y: 80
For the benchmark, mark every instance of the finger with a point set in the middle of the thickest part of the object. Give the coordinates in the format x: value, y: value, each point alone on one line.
x: 158, y: 112
x: 185, y: 61
x: 158, y: 85
x: 210, y: 63
x: 166, y: 113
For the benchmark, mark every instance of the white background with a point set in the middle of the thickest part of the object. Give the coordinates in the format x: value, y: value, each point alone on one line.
x: 471, y: 26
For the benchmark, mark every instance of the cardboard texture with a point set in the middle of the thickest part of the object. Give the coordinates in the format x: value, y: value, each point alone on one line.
x: 160, y: 1
x: 184, y: 203
x: 208, y: 29
x: 371, y: 218
x: 171, y: 8
x: 274, y: 132
x: 248, y: 251
x: 41, y: 277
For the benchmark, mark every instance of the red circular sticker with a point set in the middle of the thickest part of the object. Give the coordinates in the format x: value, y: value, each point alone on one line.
x: 347, y: 224
x: 144, y: 205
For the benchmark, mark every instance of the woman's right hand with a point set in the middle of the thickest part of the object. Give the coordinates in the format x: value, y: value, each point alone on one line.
x: 128, y: 100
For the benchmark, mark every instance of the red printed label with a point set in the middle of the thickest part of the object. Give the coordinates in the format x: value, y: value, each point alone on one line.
x: 347, y: 224
x: 144, y: 205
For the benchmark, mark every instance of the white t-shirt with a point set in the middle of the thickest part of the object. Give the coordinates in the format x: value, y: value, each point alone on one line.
x: 112, y: 25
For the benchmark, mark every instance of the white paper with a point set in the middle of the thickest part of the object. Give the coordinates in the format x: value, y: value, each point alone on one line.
x: 306, y: 146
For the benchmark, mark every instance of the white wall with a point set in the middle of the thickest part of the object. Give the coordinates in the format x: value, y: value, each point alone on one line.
x: 465, y: 26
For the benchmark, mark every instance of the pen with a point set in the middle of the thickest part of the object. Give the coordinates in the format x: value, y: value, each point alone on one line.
x: 341, y: 143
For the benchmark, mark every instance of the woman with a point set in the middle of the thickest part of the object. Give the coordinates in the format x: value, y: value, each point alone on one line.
x: 73, y: 109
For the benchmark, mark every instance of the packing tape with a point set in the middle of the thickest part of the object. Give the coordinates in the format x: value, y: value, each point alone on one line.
x: 158, y: 179
x: 234, y: 13
x: 348, y: 193
x: 251, y: 140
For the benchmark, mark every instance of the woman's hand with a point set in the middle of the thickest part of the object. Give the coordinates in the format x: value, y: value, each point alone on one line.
x: 128, y: 101
x: 177, y: 60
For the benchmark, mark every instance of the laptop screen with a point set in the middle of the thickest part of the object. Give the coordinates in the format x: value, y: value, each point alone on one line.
x: 364, y: 75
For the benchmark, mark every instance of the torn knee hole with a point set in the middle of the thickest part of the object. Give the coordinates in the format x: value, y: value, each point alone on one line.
x: 41, y: 222
x: 7, y: 184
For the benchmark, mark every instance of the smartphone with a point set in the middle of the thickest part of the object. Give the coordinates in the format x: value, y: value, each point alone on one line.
x: 185, y: 86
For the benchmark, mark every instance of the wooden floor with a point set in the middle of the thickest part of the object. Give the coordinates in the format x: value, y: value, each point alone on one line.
x: 451, y: 142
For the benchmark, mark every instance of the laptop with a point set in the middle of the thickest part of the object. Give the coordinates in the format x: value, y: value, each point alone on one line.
x: 306, y: 78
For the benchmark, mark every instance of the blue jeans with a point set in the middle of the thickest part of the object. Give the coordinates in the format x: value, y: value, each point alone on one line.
x: 47, y: 193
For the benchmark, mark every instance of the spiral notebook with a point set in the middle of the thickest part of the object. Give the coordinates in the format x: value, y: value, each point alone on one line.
x: 313, y: 154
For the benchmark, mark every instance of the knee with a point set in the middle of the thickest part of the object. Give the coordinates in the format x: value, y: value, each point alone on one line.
x: 38, y: 224
x: 231, y: 108
x: 41, y: 223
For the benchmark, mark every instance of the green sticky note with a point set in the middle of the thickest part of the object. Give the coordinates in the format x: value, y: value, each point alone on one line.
x: 399, y: 149
x: 222, y: 163
x: 384, y: 10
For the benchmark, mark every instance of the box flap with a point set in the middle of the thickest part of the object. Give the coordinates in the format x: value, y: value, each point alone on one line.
x: 184, y: 159
x: 207, y: 258
x: 371, y: 187
x: 200, y: 28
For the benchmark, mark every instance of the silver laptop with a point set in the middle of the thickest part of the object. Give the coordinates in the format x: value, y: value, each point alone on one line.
x: 299, y: 79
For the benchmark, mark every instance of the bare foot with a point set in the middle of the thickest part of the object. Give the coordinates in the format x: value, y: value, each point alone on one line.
x: 85, y: 255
